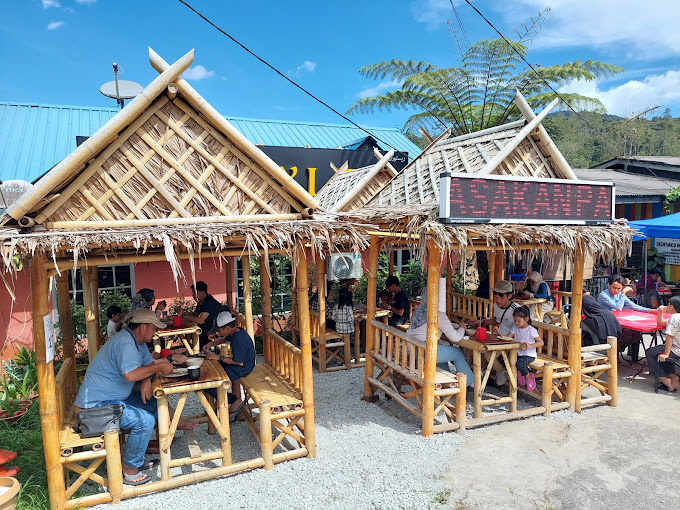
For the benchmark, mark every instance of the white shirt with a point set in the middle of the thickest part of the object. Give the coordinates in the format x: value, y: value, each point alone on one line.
x: 111, y: 328
x: 504, y: 317
x: 445, y: 328
x: 673, y: 329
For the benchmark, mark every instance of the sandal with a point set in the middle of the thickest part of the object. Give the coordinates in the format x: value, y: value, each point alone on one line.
x: 232, y: 416
x: 150, y: 465
x: 662, y: 386
x: 130, y: 479
x: 531, y: 381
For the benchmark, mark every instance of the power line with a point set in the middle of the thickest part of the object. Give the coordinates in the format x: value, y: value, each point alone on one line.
x: 547, y: 83
x: 282, y: 74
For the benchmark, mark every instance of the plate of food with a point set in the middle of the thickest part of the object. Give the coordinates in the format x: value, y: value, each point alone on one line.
x: 178, y: 372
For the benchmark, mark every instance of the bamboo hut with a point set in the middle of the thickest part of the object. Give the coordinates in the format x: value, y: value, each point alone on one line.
x: 406, y: 211
x: 167, y: 178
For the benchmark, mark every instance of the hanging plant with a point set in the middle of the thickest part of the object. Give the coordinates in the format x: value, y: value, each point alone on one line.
x: 672, y: 196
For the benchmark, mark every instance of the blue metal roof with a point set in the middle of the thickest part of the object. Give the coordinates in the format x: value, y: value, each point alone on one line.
x: 35, y: 137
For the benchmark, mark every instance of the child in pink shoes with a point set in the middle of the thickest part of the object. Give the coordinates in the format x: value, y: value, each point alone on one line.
x: 529, y: 340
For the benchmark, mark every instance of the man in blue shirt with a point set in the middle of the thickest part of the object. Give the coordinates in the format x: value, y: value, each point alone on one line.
x: 110, y: 378
x: 242, y: 360
x: 614, y: 299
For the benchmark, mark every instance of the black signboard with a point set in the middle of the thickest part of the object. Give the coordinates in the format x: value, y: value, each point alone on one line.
x: 311, y: 167
x: 509, y: 199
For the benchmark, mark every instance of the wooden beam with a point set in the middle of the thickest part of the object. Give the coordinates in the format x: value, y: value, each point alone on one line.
x: 432, y: 336
x: 574, y: 354
x: 247, y: 296
x: 90, y: 294
x: 371, y: 300
x: 266, y: 291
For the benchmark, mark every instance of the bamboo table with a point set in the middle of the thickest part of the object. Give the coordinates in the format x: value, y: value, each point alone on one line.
x: 360, y: 315
x: 183, y: 333
x: 212, y: 376
x: 535, y: 303
x: 494, y: 346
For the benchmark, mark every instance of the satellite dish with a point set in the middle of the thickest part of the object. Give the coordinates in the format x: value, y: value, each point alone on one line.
x: 126, y: 89
x: 10, y: 191
x: 120, y: 90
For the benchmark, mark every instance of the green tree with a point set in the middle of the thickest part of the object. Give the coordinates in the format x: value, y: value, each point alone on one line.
x: 478, y: 93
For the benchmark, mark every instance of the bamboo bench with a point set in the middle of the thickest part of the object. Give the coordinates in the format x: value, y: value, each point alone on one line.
x: 95, y: 449
x: 400, y: 358
x: 274, y: 404
x: 329, y: 345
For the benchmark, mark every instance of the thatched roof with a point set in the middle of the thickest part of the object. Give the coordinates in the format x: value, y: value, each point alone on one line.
x: 352, y: 189
x: 521, y: 149
x: 167, y: 155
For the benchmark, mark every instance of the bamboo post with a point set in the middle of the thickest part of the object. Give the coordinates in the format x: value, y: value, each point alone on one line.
x: 94, y: 279
x: 321, y: 295
x: 491, y: 257
x: 247, y: 296
x: 229, y: 270
x: 390, y: 262
x: 613, y: 377
x: 433, y: 260
x: 223, y: 418
x: 91, y: 319
x: 46, y: 387
x: 114, y: 468
x: 461, y: 402
x: 449, y: 285
x: 513, y: 379
x: 546, y: 388
x: 266, y: 434
x: 574, y: 354
x: 294, y: 317
x: 66, y: 328
x: 499, y: 261
x: 371, y: 300
x: 477, y: 373
x: 266, y: 291
x: 306, y: 348
x: 163, y: 421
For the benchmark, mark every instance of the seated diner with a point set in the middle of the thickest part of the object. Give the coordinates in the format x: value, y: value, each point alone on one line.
x: 398, y: 305
x: 661, y: 359
x: 535, y: 287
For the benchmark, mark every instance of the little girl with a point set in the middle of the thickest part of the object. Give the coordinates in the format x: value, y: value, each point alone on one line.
x: 529, y: 341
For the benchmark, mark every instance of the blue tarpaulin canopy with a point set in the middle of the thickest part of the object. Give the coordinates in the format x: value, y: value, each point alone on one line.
x: 664, y: 226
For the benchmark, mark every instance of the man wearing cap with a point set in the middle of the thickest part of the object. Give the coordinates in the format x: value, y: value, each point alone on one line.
x: 503, y: 308
x: 123, y: 361
x: 242, y: 360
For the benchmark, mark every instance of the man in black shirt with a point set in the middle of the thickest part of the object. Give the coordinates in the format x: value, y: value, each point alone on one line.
x: 399, y: 303
x: 207, y: 309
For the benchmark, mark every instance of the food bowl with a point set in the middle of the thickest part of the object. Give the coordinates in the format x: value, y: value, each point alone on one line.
x: 194, y: 362
x: 470, y: 331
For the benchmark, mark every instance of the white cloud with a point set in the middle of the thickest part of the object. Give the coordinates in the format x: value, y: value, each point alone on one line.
x: 50, y: 3
x: 197, y: 73
x: 431, y: 12
x: 380, y: 88
x: 306, y: 66
x: 634, y: 95
x: 88, y: 2
x: 640, y: 30
x: 54, y: 25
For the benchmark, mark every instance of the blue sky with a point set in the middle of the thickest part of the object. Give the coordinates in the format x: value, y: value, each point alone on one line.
x: 60, y: 51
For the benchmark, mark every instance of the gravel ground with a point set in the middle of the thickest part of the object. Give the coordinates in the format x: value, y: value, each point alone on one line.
x: 372, y: 456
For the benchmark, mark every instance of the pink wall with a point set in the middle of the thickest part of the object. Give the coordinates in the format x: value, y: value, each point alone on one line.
x: 16, y: 325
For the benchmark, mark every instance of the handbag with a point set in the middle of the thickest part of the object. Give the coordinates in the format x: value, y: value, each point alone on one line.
x: 95, y: 421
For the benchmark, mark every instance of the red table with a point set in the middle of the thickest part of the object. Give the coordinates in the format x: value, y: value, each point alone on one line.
x: 644, y: 322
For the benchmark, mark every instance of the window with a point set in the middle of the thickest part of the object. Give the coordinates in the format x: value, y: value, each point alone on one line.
x: 110, y: 278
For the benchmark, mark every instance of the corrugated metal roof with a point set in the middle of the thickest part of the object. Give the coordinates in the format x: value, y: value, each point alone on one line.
x: 35, y: 137
x: 629, y: 184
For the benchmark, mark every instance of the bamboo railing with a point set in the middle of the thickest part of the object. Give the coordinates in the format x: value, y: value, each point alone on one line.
x: 465, y: 306
x: 65, y: 388
x: 285, y: 358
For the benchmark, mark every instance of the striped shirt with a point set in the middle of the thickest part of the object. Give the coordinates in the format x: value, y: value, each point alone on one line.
x: 344, y: 319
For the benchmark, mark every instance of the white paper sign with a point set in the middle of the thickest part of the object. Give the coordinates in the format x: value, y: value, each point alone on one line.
x: 669, y: 248
x: 49, y: 337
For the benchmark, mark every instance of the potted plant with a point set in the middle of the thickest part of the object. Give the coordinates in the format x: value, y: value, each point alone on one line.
x: 10, y: 404
x: 25, y: 389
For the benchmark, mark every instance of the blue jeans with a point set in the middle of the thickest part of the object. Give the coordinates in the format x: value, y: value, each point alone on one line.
x: 140, y: 419
x: 446, y: 353
x: 523, y: 364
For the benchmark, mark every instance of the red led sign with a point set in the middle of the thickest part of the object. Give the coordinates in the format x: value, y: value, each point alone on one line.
x: 496, y: 199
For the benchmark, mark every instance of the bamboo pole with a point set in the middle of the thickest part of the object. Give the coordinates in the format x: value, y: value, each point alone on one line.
x: 66, y: 330
x: 114, y: 468
x: 390, y: 262
x: 157, y: 222
x: 46, y: 386
x: 461, y: 403
x: 321, y: 295
x: 247, y: 296
x: 371, y: 300
x: 266, y: 291
x: 200, y: 104
x: 491, y: 258
x: 613, y: 376
x: 500, y: 266
x: 306, y: 349
x: 91, y: 318
x: 163, y: 421
x: 266, y: 434
x: 363, y: 183
x: 449, y: 284
x: 433, y: 259
x: 229, y: 271
x: 546, y: 389
x: 223, y: 418
x: 574, y: 354
x: 94, y: 278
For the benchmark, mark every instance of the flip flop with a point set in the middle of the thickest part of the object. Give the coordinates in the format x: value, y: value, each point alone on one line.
x: 232, y: 416
x: 127, y: 479
x: 662, y: 386
x: 150, y: 465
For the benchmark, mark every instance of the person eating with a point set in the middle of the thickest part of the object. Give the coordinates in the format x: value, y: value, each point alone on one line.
x: 535, y: 287
x: 398, y: 305
x: 111, y: 378
x: 207, y: 308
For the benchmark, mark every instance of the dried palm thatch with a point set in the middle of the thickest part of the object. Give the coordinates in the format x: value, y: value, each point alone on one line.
x: 417, y: 223
x: 322, y: 233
